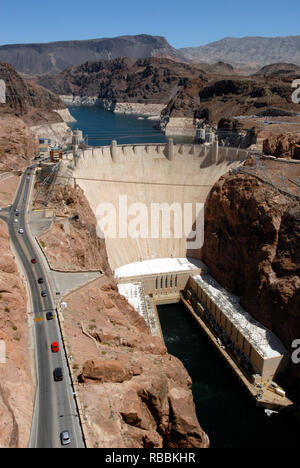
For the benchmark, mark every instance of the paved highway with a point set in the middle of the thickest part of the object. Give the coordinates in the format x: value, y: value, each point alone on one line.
x: 55, y: 407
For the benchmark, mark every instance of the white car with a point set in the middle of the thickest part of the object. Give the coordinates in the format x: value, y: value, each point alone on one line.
x: 65, y: 438
x: 21, y: 231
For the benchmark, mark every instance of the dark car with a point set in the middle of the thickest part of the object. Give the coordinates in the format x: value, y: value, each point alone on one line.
x: 44, y: 293
x: 65, y: 438
x: 49, y: 316
x: 40, y: 280
x: 33, y: 260
x: 58, y: 374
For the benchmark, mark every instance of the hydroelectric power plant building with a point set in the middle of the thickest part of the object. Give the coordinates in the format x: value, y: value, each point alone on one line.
x: 256, y: 349
x: 161, y: 281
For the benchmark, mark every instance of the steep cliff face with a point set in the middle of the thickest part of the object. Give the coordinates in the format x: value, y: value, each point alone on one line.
x: 252, y: 243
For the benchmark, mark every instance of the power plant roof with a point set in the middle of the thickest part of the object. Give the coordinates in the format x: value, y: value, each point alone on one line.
x: 156, y: 266
x: 262, y: 339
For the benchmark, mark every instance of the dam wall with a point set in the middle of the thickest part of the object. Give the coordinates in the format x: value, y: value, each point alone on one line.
x: 206, y: 154
x: 132, y: 179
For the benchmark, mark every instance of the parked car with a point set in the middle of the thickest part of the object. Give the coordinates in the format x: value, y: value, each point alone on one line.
x: 49, y: 316
x: 40, y: 280
x: 54, y: 347
x: 33, y: 260
x: 44, y: 293
x: 65, y: 438
x: 58, y: 374
x: 21, y: 231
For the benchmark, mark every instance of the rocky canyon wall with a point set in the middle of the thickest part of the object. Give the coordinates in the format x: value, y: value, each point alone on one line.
x: 252, y: 244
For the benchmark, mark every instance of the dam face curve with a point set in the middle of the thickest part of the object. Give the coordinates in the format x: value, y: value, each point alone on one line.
x: 148, y: 175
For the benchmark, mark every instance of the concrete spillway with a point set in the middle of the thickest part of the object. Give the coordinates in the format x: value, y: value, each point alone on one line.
x: 151, y: 174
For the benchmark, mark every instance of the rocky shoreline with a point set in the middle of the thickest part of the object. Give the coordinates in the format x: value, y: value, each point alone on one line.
x: 135, y: 108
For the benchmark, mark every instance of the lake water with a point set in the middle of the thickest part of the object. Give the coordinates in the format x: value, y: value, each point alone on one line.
x: 224, y: 409
x: 102, y: 126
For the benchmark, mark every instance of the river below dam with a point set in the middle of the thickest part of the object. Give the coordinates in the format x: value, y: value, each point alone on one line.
x: 224, y: 409
x: 102, y: 126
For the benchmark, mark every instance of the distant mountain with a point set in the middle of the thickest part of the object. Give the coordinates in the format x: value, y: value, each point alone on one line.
x: 246, y: 55
x: 52, y: 58
x: 256, y: 51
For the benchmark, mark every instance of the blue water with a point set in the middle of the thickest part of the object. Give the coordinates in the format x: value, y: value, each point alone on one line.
x: 224, y: 409
x: 102, y: 126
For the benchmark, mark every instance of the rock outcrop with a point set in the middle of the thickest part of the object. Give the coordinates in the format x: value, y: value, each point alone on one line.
x: 252, y: 244
x: 134, y: 394
x: 283, y: 146
x: 18, y: 144
x: 279, y: 69
x: 72, y: 244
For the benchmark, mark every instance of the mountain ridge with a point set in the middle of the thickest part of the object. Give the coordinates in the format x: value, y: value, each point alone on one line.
x: 248, y: 53
x: 53, y: 57
x: 256, y: 50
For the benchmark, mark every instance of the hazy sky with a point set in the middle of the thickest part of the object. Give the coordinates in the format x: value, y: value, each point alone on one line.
x: 184, y: 23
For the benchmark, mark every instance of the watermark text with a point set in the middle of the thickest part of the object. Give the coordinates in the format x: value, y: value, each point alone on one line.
x: 296, y: 93
x: 296, y: 353
x: 153, y: 221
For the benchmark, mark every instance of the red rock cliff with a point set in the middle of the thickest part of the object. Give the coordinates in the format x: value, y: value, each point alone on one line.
x: 252, y: 244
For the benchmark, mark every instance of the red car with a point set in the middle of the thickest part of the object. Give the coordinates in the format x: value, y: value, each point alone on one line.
x: 33, y: 260
x: 54, y: 347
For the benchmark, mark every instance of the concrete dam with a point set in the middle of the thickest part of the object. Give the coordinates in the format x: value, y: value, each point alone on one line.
x: 164, y: 269
x: 152, y: 175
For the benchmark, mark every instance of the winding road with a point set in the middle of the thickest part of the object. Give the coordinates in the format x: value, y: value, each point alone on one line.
x: 55, y: 407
